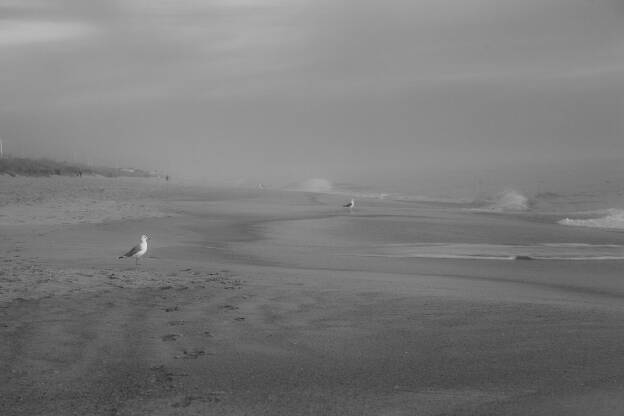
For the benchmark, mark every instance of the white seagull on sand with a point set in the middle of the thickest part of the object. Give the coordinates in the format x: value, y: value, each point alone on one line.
x: 350, y: 204
x: 137, y: 251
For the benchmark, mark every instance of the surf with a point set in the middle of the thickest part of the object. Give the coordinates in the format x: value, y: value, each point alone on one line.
x: 613, y: 219
x: 544, y: 251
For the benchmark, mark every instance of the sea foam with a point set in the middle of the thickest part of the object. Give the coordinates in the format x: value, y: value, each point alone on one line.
x: 546, y: 251
x: 506, y: 201
x: 614, y: 219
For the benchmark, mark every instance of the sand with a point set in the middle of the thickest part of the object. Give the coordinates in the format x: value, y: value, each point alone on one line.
x: 260, y: 303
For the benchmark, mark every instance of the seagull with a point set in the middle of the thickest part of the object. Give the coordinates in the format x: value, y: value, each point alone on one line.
x: 350, y: 204
x: 137, y: 251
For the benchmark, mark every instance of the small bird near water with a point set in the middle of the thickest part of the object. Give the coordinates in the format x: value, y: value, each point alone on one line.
x: 137, y: 251
x: 350, y: 204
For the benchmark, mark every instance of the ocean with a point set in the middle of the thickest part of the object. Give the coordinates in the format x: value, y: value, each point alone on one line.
x: 508, y: 225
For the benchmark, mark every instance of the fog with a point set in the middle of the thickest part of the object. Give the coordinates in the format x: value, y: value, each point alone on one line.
x: 393, y: 94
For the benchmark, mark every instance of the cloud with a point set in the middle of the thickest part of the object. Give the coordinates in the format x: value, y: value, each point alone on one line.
x: 25, y: 32
x: 317, y: 82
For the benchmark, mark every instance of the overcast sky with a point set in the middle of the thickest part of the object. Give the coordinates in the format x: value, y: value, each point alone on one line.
x: 280, y: 90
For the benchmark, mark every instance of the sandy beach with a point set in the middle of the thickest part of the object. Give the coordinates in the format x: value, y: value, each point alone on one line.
x: 260, y: 302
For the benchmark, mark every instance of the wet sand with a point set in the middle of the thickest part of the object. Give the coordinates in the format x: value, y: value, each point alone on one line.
x: 258, y: 303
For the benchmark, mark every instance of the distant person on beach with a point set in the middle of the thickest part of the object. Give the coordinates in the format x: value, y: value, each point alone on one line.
x: 167, y: 178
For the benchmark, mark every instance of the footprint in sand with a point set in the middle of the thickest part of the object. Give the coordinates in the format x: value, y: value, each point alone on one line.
x: 232, y: 287
x: 190, y: 355
x: 164, y: 376
x: 170, y: 337
x: 186, y: 401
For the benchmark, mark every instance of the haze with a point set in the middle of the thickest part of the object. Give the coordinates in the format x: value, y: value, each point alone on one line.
x: 273, y: 91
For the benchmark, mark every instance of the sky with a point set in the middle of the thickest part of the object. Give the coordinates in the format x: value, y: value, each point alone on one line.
x: 275, y: 91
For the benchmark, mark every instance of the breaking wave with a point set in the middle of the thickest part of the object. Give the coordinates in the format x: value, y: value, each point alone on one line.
x: 317, y: 185
x: 324, y: 186
x: 506, y: 201
x: 614, y: 219
x: 546, y: 251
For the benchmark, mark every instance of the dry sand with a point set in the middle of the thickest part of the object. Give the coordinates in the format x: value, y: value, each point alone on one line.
x: 233, y: 313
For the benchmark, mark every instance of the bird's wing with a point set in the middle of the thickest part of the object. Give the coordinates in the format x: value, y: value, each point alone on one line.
x: 133, y: 251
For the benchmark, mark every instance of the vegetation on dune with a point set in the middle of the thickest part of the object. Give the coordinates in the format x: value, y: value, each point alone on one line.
x: 14, y: 166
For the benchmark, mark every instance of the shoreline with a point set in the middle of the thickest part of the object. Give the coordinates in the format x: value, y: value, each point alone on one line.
x: 226, y: 316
